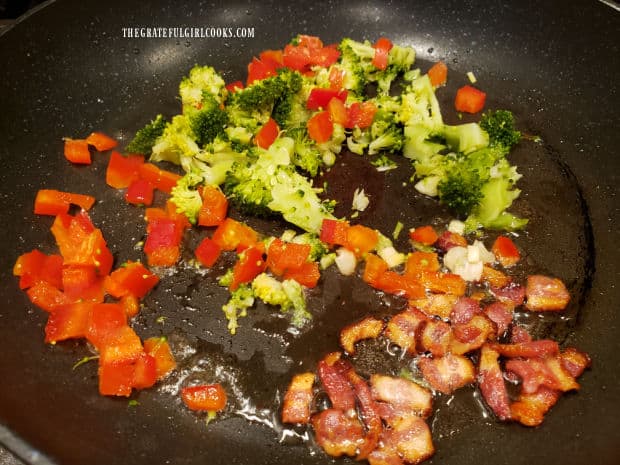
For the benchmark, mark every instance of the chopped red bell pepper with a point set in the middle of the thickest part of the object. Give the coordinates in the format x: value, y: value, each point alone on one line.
x: 76, y: 151
x: 267, y: 134
x: 334, y: 232
x: 140, y: 192
x: 249, y: 265
x: 469, y: 99
x: 382, y: 49
x: 68, y: 321
x: 122, y: 170
x: 286, y: 256
x: 232, y: 234
x: 258, y: 70
x: 234, y: 86
x: 425, y: 235
x: 208, y: 252
x: 337, y: 111
x: 308, y: 274
x: 159, y: 348
x: 145, y: 371
x: 506, y: 251
x: 361, y: 239
x: 360, y: 115
x: 46, y: 296
x: 214, y: 207
x: 54, y: 202
x: 438, y: 74
x: 205, y: 397
x: 320, y: 127
x: 101, y: 142
x: 36, y: 266
x: 132, y: 278
x: 374, y: 268
x: 319, y: 97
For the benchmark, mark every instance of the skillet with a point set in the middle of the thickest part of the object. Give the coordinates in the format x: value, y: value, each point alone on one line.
x: 67, y: 70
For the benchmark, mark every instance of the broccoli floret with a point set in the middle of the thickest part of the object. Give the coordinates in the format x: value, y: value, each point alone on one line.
x: 208, y: 122
x: 400, y: 60
x: 237, y: 306
x: 176, y: 142
x: 145, y: 138
x: 202, y: 82
x: 386, y: 134
x: 500, y: 125
x: 270, y: 290
x: 267, y: 182
x: 351, y: 65
x: 295, y: 292
x: 186, y: 197
x: 306, y: 154
x: 465, y: 138
x: 317, y: 247
x: 289, y: 109
x: 460, y: 190
x: 333, y: 146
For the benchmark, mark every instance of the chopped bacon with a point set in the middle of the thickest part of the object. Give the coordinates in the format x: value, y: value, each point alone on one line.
x: 519, y: 334
x: 368, y: 328
x: 385, y: 455
x: 494, y: 278
x: 332, y: 372
x: 298, y: 399
x: 435, y: 337
x: 464, y: 309
x: 412, y: 438
x: 404, y: 396
x: 337, y: 432
x: 511, y: 294
x: 369, y: 414
x: 470, y: 336
x: 402, y: 328
x: 539, y: 348
x: 491, y: 383
x: 436, y: 304
x: 545, y: 294
x: 447, y: 373
x: 574, y: 361
x: 501, y: 314
x: 530, y: 409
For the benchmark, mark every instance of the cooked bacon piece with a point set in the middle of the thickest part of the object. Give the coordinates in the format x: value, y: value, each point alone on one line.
x: 298, y: 399
x: 545, y: 294
x: 385, y: 455
x: 411, y: 437
x: 574, y: 361
x: 470, y: 336
x: 332, y: 372
x: 337, y: 432
x: 530, y: 409
x: 368, y: 328
x: 519, y: 334
x: 435, y: 337
x: 369, y: 413
x: 494, y: 278
x: 535, y: 372
x: 511, y: 294
x: 464, y: 309
x: 436, y: 304
x: 402, y: 328
x: 404, y: 396
x: 539, y: 348
x: 449, y: 239
x: 491, y: 383
x: 501, y: 314
x: 447, y: 373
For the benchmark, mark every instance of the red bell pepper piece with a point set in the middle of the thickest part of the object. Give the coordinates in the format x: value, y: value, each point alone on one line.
x: 54, y: 202
x: 214, y: 207
x: 361, y: 239
x: 438, y: 74
x: 76, y: 151
x: 308, y: 274
x: 320, y: 127
x: 382, y: 49
x: 425, y: 235
x: 139, y: 192
x: 232, y: 234
x: 286, y: 256
x: 68, y: 322
x: 234, y: 86
x: 122, y: 170
x: 334, y: 232
x: 505, y: 251
x: 360, y: 115
x: 133, y: 278
x: 267, y: 134
x: 159, y: 348
x: 100, y: 141
x: 207, y: 252
x: 249, y: 265
x: 319, y: 97
x: 205, y: 397
x: 258, y: 70
x: 469, y: 99
x: 36, y: 266
x: 46, y: 296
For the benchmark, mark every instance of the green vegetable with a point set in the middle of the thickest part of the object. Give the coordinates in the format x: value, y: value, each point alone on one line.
x: 145, y: 138
x: 202, y: 81
x: 237, y: 306
x: 207, y: 123
x: 186, y: 197
x: 500, y: 125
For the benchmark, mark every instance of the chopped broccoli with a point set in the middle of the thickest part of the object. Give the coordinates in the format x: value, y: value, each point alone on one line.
x: 208, y: 122
x: 145, y: 138
x: 351, y: 64
x: 317, y: 247
x: 306, y: 154
x: 333, y: 146
x: 295, y: 292
x: 203, y: 81
x: 186, y: 197
x: 460, y: 189
x: 500, y: 125
x: 176, y: 142
x: 240, y: 300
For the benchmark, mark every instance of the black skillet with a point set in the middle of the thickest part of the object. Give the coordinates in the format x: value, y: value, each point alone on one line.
x: 67, y: 70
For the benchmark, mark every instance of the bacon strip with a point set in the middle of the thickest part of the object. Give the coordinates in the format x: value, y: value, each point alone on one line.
x: 501, y: 314
x: 404, y: 396
x: 574, y: 361
x: 491, y: 383
x: 368, y: 328
x: 412, y: 438
x: 337, y: 433
x: 333, y: 375
x: 464, y: 309
x: 471, y: 335
x: 402, y: 328
x: 447, y: 373
x: 435, y: 337
x: 298, y: 399
x: 530, y: 409
x: 539, y: 348
x: 369, y: 414
x: 545, y: 294
x: 494, y: 278
x: 511, y: 294
x: 436, y: 304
